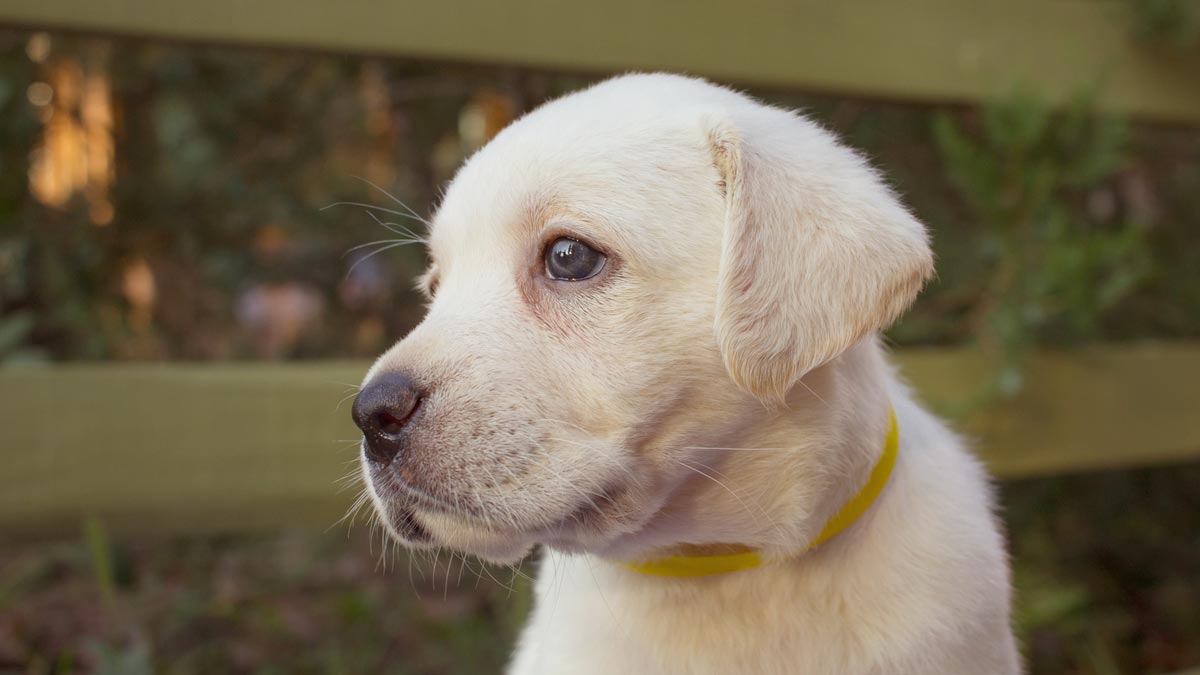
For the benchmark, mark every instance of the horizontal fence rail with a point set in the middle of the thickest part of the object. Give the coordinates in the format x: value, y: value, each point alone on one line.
x: 232, y: 447
x: 936, y: 50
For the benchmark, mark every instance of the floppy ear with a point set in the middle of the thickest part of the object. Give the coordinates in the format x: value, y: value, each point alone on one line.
x: 817, y: 252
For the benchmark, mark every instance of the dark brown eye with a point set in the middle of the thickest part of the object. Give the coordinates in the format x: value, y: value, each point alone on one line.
x: 571, y: 260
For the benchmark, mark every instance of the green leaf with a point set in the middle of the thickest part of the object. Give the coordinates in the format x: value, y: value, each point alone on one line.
x: 14, y: 329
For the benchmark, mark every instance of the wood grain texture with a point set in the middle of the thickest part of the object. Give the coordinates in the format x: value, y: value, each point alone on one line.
x: 934, y: 50
x: 245, y: 447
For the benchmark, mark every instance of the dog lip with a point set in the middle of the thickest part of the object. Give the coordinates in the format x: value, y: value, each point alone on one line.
x: 406, y: 525
x: 391, y: 486
x: 431, y: 502
x: 589, y: 514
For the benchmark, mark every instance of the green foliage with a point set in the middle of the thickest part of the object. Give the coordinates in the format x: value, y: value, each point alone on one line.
x: 1105, y: 569
x: 17, y: 131
x: 1173, y: 22
x: 132, y: 658
x: 223, y: 162
x: 1054, y: 255
x: 283, y: 605
x: 225, y: 158
x: 16, y: 330
x: 101, y: 555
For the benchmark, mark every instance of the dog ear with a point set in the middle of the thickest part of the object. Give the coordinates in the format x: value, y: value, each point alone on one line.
x: 817, y: 252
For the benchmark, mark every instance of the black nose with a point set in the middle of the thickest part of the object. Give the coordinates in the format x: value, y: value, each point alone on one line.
x: 381, y: 410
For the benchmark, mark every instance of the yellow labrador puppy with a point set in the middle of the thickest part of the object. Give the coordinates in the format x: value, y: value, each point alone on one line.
x: 652, y: 348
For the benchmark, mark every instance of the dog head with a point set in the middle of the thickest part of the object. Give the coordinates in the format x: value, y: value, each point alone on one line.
x: 623, y: 283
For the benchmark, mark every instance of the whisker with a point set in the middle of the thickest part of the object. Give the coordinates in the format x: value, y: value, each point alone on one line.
x: 735, y: 495
x: 395, y: 199
x: 353, y: 476
x: 499, y: 583
x: 461, y: 566
x: 369, y: 256
x: 762, y: 449
x: 411, y: 581
x: 814, y: 393
x: 363, y: 498
x: 397, y: 228
x: 345, y: 398
x: 516, y: 568
x: 381, y: 241
x: 364, y: 205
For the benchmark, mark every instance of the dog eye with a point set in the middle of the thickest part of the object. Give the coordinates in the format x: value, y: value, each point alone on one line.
x: 571, y: 260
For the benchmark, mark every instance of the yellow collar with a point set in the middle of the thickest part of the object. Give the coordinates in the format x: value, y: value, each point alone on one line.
x: 708, y: 565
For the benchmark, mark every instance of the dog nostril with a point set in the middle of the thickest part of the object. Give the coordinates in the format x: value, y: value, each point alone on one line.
x: 389, y: 424
x: 382, y: 409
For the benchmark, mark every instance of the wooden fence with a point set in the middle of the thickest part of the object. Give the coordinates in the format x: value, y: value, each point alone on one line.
x: 243, y: 447
x: 934, y: 50
x: 235, y: 447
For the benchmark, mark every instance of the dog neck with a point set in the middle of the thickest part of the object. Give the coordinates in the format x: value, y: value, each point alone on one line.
x: 781, y: 476
x: 708, y: 560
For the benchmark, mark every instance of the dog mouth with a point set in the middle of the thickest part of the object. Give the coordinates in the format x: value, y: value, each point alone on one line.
x: 394, y: 489
x: 421, y: 520
x: 406, y: 527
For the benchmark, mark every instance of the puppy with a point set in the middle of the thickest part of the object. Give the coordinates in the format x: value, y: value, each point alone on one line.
x: 652, y: 348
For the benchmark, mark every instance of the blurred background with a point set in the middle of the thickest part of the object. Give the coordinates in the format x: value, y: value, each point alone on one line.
x: 197, y: 261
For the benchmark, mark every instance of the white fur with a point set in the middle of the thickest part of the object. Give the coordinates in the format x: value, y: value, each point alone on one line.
x: 720, y: 383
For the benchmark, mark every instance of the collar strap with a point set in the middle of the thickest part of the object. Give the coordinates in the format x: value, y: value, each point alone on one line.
x: 709, y: 565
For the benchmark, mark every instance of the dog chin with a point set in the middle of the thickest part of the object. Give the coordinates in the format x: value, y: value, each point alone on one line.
x: 430, y: 529
x: 441, y: 530
x: 589, y: 528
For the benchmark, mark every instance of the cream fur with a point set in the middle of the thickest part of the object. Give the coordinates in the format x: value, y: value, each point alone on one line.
x: 600, y: 418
